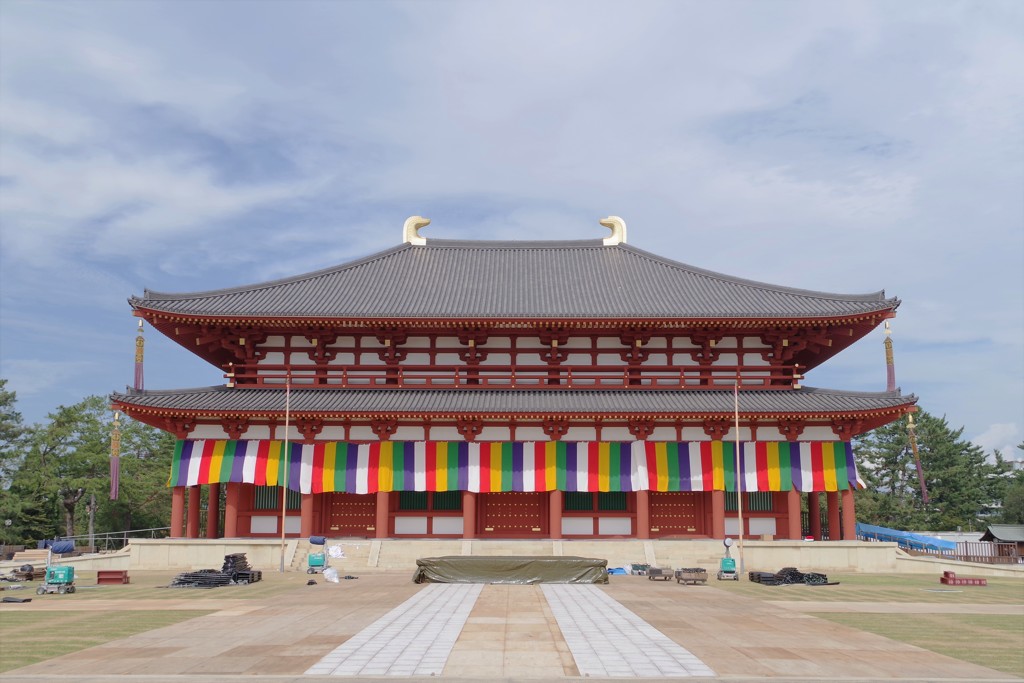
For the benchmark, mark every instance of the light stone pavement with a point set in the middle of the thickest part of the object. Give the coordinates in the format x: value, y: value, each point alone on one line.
x: 511, y: 634
x: 606, y: 639
x: 413, y: 639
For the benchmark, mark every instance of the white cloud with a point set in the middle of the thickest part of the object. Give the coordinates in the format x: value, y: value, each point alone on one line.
x: 835, y: 146
x: 1003, y: 437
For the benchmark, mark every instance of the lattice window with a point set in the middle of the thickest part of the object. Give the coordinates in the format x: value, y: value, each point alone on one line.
x: 756, y: 501
x: 412, y: 500
x: 612, y: 500
x: 269, y: 498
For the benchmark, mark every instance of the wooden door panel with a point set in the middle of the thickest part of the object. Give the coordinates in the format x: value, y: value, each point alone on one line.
x: 513, y: 515
x: 678, y: 513
x: 351, y: 514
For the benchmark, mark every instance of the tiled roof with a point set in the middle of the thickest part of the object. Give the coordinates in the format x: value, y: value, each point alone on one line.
x: 348, y: 401
x: 447, y: 279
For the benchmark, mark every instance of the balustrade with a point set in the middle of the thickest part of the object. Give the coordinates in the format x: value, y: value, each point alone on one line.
x: 518, y: 377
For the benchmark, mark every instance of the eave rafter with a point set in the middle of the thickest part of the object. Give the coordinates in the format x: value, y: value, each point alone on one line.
x: 845, y: 424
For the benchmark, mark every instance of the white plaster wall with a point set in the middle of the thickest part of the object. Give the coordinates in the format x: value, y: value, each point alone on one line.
x: 417, y: 343
x: 576, y: 434
x: 818, y: 434
x: 754, y: 359
x: 208, y: 432
x: 616, y: 434
x: 493, y: 434
x: 363, y: 433
x: 497, y: 359
x: 663, y: 434
x: 257, y: 432
x: 408, y: 434
x: 531, y: 434
x: 332, y: 434
x: 445, y: 434
x: 272, y: 358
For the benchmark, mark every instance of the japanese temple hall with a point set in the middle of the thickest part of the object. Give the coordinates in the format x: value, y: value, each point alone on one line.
x: 513, y: 390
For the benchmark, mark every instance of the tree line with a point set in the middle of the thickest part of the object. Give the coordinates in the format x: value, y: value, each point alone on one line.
x: 55, y: 476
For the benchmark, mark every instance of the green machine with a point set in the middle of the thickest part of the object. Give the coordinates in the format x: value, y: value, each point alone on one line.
x: 59, y: 578
x: 317, y: 561
x: 727, y: 566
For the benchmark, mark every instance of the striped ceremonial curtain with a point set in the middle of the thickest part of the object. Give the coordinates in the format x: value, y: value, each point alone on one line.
x: 485, y: 467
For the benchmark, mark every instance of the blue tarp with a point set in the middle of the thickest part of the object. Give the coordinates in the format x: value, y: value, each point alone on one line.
x: 904, y: 539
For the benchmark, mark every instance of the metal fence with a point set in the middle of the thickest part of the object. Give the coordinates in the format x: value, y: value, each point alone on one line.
x: 115, y: 540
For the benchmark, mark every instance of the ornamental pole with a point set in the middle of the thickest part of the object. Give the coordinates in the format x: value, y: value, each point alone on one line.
x: 739, y: 491
x: 286, y: 460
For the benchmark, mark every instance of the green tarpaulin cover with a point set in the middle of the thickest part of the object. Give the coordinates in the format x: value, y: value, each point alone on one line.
x: 510, y: 569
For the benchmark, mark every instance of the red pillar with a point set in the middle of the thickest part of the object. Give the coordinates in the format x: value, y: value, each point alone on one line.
x: 849, y: 516
x: 468, y: 514
x: 832, y: 503
x: 794, y: 528
x: 177, y: 512
x: 814, y: 514
x: 213, y: 512
x: 555, y: 514
x: 643, y: 515
x: 231, y: 500
x: 718, y: 514
x: 306, y: 515
x: 192, y: 524
x: 383, y: 514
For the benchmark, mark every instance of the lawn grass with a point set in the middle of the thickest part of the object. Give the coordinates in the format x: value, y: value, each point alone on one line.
x: 153, y: 585
x: 995, y: 641
x: 31, y: 637
x: 886, y: 588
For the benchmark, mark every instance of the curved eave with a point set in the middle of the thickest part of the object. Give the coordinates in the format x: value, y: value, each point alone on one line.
x: 187, y: 404
x: 156, y: 316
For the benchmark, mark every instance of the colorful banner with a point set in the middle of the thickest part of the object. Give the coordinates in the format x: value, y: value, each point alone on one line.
x: 485, y: 467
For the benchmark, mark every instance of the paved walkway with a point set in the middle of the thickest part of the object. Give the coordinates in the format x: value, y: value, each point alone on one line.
x: 606, y: 639
x: 413, y: 639
x: 507, y: 633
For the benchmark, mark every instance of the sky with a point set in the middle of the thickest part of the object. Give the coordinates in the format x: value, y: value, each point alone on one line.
x: 836, y: 146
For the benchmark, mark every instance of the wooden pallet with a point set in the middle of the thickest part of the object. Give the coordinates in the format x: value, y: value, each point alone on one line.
x: 659, y: 574
x: 950, y: 579
x: 691, y: 578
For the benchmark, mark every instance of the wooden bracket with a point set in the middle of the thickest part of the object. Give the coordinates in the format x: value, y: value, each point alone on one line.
x: 384, y: 427
x: 555, y: 427
x: 469, y: 427
x: 234, y: 427
x: 717, y: 428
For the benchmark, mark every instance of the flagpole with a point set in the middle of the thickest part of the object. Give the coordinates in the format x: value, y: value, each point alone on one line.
x: 285, y: 459
x: 739, y: 487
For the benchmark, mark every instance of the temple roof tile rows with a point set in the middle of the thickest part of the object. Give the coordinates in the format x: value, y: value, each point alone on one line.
x: 451, y: 279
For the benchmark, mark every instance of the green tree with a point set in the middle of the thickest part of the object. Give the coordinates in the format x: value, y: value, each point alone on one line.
x: 67, y: 458
x: 144, y: 500
x: 12, y: 431
x: 957, y: 475
x: 12, y: 439
x: 1013, y: 496
x: 892, y: 498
